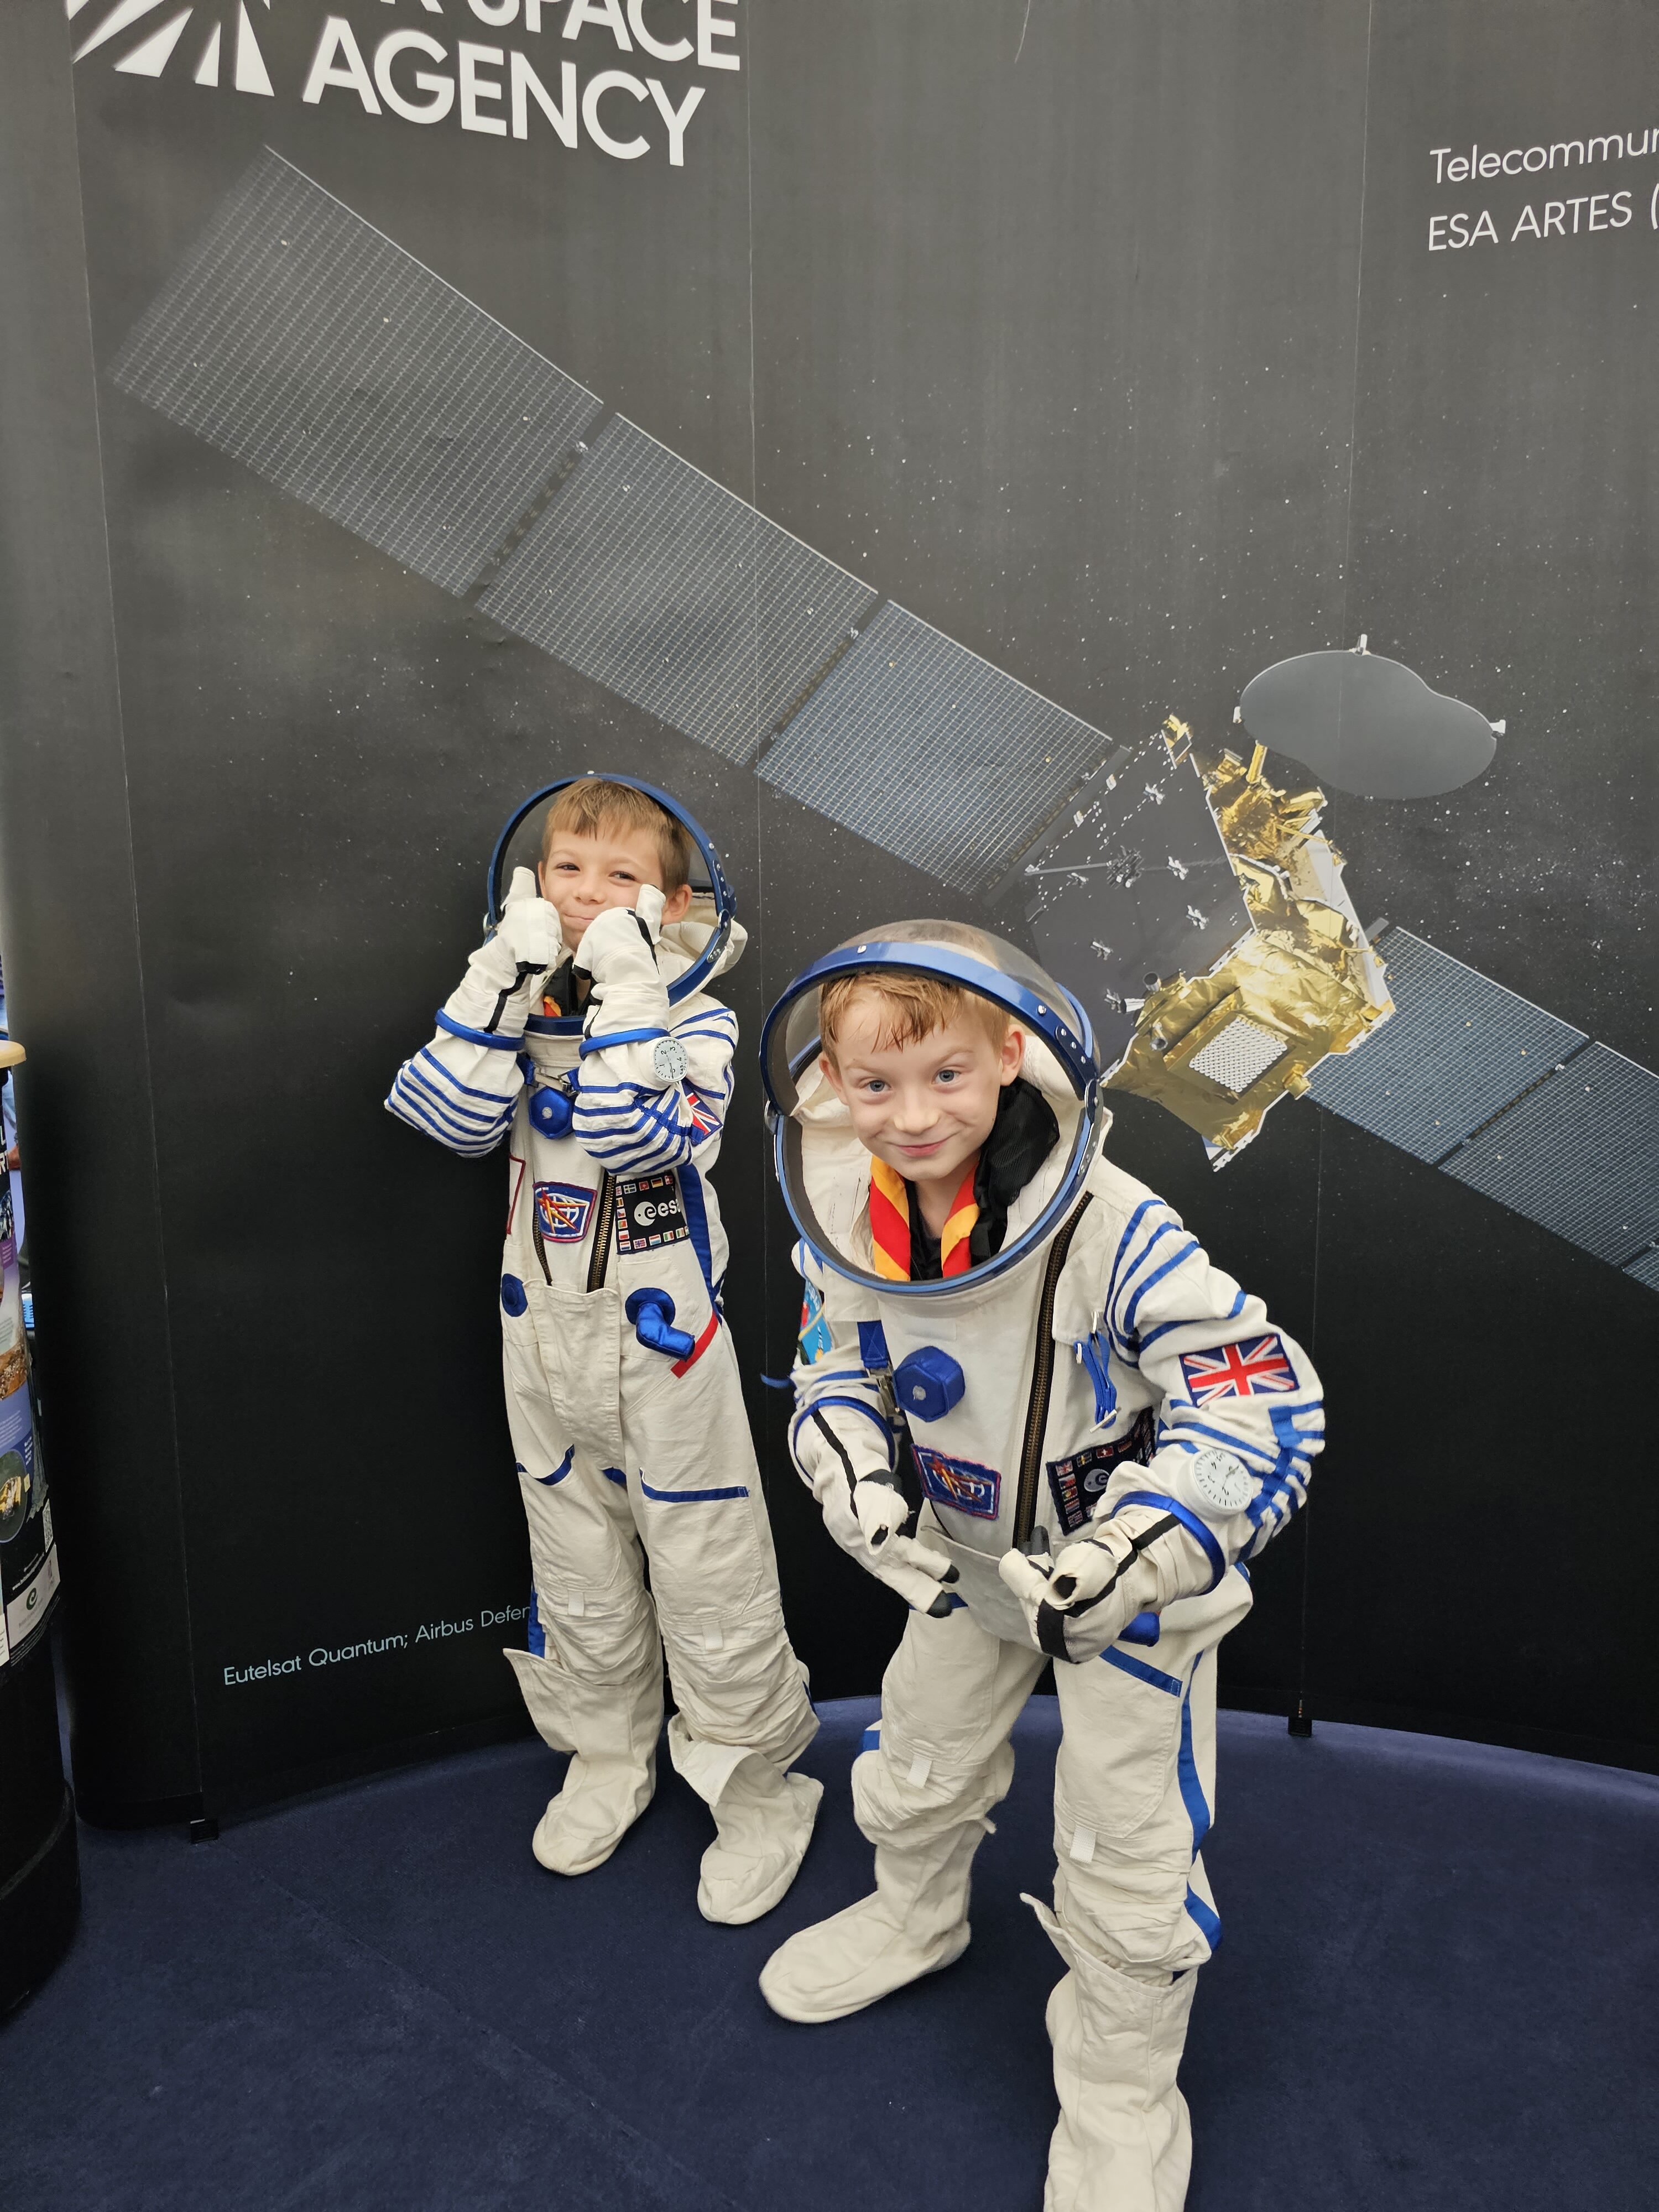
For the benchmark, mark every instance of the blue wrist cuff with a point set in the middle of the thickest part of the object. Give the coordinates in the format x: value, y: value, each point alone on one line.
x: 447, y: 1023
x: 1188, y: 1520
x: 621, y: 1036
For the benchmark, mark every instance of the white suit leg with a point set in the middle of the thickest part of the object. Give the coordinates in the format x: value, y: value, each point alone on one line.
x: 1133, y: 1915
x: 596, y: 1691
x: 950, y: 1698
x: 743, y: 1715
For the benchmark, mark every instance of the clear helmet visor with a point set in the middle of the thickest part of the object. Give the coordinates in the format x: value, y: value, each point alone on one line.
x: 693, y: 950
x: 823, y: 1164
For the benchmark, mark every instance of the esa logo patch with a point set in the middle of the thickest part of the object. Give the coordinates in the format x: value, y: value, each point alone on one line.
x: 562, y: 1210
x: 1076, y: 1483
x: 961, y: 1484
x: 649, y: 1213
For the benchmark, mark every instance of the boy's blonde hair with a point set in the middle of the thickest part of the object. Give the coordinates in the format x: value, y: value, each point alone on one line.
x: 914, y: 1006
x: 593, y: 804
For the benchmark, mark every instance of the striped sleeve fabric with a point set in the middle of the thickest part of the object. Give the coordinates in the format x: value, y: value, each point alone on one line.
x: 1230, y: 1382
x: 459, y: 1090
x: 635, y: 1124
x: 840, y: 1426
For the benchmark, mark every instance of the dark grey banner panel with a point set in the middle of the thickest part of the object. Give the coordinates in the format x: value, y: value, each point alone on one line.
x: 1458, y: 1048
x: 1580, y: 1155
x: 1645, y: 1267
x: 931, y: 753
x: 297, y: 339
x: 648, y: 576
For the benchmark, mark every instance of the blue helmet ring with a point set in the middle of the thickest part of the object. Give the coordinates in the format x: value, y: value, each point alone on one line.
x: 974, y: 961
x: 716, y: 888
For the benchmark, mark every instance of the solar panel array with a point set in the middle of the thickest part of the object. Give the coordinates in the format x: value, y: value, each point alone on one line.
x: 1458, y: 1049
x: 928, y: 751
x: 1579, y: 1155
x: 297, y: 339
x: 647, y: 576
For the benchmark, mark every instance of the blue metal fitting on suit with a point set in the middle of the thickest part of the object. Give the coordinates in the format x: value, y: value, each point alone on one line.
x: 651, y: 1311
x: 927, y: 1383
x: 551, y: 1110
x: 1144, y: 1628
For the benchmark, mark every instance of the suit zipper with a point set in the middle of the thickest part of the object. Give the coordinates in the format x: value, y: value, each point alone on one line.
x: 599, y: 1258
x: 1043, y: 1378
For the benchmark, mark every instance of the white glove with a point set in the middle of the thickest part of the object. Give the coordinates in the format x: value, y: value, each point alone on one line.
x: 505, y: 975
x: 864, y: 1514
x: 1080, y: 1603
x: 917, y: 1572
x: 618, y: 946
x: 629, y: 993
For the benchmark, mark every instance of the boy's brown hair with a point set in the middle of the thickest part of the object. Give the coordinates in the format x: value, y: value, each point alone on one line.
x: 593, y: 804
x: 913, y: 1007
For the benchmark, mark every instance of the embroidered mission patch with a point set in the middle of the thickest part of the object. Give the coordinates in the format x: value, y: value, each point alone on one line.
x: 961, y: 1484
x: 814, y: 1340
x: 562, y: 1210
x: 1077, y: 1482
x: 649, y: 1213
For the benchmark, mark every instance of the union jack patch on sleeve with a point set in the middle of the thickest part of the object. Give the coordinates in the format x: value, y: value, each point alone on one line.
x: 704, y: 1120
x: 1254, y: 1367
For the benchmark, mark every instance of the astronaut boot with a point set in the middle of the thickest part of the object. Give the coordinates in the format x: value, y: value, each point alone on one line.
x: 610, y: 1728
x: 765, y: 1822
x: 1124, y: 2141
x: 914, y: 1922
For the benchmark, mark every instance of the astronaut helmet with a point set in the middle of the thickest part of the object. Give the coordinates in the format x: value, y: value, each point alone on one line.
x: 845, y: 1186
x: 706, y: 940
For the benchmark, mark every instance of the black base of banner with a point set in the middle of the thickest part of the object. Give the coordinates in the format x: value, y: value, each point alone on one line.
x: 38, y: 1908
x: 1464, y: 1728
x: 201, y: 1815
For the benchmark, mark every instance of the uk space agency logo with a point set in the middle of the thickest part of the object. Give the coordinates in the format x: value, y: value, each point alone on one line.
x: 542, y: 71
x: 224, y: 49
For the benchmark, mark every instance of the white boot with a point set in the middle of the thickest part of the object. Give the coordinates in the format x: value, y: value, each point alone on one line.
x: 765, y: 1823
x: 913, y: 1923
x: 612, y: 1728
x: 1124, y: 2141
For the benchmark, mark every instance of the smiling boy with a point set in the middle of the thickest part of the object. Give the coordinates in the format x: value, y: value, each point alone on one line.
x: 623, y: 1394
x: 1104, y: 1426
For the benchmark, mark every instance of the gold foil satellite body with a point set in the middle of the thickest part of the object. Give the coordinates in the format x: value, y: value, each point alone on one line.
x: 1211, y: 915
x: 1218, y: 1049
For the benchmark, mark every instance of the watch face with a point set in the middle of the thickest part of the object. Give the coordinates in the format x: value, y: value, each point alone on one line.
x: 669, y: 1059
x: 1222, y: 1481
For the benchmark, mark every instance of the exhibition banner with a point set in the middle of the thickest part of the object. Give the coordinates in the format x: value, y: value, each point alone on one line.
x: 1169, y: 485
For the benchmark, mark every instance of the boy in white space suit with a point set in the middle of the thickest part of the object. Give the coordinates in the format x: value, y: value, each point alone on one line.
x: 1104, y: 1425
x: 581, y: 1032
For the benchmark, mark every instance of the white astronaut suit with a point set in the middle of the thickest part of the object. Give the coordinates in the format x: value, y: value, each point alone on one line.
x: 1093, y: 1393
x: 623, y: 1395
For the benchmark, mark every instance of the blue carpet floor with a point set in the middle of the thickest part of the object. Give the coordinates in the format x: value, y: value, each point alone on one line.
x: 1437, y: 1990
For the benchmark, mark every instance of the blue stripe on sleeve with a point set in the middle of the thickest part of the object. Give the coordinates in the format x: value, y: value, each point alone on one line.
x: 496, y: 1098
x: 452, y: 1027
x: 408, y: 1109
x: 1174, y: 1260
x: 412, y: 1075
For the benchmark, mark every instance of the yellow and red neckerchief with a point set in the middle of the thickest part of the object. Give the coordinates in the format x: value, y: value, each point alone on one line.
x: 889, y: 1223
